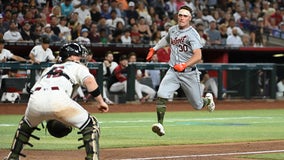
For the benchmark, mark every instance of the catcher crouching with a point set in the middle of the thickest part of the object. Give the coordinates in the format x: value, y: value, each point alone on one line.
x: 51, y: 101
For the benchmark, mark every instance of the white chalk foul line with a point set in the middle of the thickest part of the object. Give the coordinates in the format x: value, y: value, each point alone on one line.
x: 206, y: 155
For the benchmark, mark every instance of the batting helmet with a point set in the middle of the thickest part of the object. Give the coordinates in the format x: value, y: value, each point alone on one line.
x: 57, y: 128
x: 70, y: 49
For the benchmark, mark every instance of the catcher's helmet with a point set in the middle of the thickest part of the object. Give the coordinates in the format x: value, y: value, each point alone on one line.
x: 70, y: 49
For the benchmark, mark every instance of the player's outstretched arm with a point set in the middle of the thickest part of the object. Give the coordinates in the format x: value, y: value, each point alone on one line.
x: 94, y: 90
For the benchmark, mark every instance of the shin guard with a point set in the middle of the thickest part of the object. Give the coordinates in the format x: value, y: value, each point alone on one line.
x: 91, y: 135
x: 22, y: 136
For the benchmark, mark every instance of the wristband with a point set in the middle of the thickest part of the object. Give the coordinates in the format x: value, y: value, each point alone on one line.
x: 95, y: 92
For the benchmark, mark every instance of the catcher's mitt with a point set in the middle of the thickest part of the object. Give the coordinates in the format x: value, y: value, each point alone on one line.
x: 57, y: 128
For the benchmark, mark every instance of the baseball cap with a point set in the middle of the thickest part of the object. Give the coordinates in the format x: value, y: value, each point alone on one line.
x: 260, y: 19
x: 47, y: 25
x: 84, y: 30
x: 123, y: 57
x: 26, y: 22
x: 131, y: 4
x: 45, y: 39
x: 212, y: 20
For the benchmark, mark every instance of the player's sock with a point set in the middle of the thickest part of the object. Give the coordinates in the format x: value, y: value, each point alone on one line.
x: 161, y: 109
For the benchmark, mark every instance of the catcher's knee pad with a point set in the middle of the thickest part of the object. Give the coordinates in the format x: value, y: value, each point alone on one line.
x: 91, y: 135
x: 22, y: 136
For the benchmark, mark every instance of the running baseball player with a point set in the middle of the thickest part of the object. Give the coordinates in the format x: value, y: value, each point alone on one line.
x: 50, y: 100
x: 185, y: 54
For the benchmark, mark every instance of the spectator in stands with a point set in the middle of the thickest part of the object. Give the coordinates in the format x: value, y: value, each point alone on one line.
x: 155, y: 37
x: 37, y: 33
x: 257, y: 35
x: 95, y: 12
x: 126, y: 38
x: 102, y: 25
x: 83, y: 12
x: 26, y: 32
x: 120, y: 6
x: 256, y: 11
x: 202, y: 39
x: 114, y: 6
x: 87, y: 24
x: 234, y: 40
x: 281, y: 29
x: 75, y: 26
x: 93, y: 34
x: 243, y: 21
x: 143, y: 12
x: 55, y: 12
x: 6, y: 55
x: 131, y: 12
x: 83, y: 38
x: 54, y: 26
x: 105, y: 12
x: 214, y: 36
x: 112, y: 22
x: 48, y: 32
x: 206, y: 16
x: 135, y: 35
x: 165, y: 30
x: 237, y: 11
x: 13, y: 34
x: 232, y: 24
x: 144, y: 30
x: 226, y: 19
x: 246, y: 40
x: 64, y: 29
x: 223, y: 32
x: 171, y: 8
x: 3, y: 26
x: 104, y: 38
x: 66, y: 8
x: 277, y: 16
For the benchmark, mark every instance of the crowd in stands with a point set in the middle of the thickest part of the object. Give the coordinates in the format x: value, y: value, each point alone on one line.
x: 233, y: 23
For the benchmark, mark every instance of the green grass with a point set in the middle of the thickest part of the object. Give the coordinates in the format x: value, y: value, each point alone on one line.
x: 274, y: 156
x: 192, y: 127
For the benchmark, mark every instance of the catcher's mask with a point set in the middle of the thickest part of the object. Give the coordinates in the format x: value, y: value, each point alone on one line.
x: 57, y: 128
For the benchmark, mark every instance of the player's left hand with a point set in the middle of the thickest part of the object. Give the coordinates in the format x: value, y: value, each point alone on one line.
x: 180, y: 67
x: 103, y: 107
x: 150, y: 54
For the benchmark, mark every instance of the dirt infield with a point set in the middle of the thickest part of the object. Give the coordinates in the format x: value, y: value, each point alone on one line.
x: 227, y: 151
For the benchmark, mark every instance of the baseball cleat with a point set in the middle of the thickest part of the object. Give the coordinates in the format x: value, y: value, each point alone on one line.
x: 211, y: 105
x: 158, y: 129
